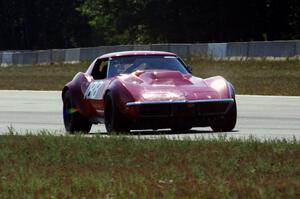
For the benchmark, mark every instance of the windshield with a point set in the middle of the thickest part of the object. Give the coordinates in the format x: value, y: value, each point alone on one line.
x: 125, y: 65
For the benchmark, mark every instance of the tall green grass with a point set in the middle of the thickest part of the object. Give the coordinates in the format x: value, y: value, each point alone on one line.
x: 47, y: 166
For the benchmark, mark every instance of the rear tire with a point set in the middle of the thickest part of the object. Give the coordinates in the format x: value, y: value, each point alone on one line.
x: 113, y: 119
x: 230, y: 120
x: 74, y: 121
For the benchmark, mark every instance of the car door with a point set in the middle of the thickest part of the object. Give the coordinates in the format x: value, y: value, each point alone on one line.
x: 96, y: 89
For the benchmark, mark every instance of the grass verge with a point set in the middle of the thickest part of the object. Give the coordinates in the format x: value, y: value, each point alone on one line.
x: 249, y: 77
x: 46, y: 166
x: 255, y: 77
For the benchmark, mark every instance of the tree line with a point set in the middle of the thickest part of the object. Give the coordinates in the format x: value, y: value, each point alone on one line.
x: 44, y: 24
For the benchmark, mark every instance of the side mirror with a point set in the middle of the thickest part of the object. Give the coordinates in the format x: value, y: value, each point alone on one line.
x: 190, y: 68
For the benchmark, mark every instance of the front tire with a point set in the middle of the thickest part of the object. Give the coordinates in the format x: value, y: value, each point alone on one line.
x: 114, y: 122
x: 74, y: 121
x: 230, y: 120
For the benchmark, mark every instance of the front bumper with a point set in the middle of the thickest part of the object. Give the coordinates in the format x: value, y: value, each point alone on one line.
x: 193, y: 113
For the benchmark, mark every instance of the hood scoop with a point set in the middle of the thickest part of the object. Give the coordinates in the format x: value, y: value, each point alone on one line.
x: 163, y: 77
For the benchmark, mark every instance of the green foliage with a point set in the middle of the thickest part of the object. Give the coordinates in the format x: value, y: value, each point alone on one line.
x: 116, y: 21
x: 153, y: 21
x: 44, y: 24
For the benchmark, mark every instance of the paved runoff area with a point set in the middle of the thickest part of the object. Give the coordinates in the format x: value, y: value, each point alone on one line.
x: 263, y: 117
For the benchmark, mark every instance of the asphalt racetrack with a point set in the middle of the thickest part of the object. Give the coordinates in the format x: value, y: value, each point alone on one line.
x: 263, y: 117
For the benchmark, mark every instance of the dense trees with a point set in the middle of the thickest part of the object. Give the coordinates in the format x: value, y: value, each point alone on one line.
x: 42, y: 24
x: 39, y: 24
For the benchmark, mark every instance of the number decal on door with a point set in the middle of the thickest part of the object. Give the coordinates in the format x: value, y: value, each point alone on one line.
x: 93, y: 90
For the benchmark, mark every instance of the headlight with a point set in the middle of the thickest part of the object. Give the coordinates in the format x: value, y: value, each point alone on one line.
x: 218, y: 85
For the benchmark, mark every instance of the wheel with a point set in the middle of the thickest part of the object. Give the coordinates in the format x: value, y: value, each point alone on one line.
x: 74, y: 121
x: 230, y: 120
x: 113, y: 119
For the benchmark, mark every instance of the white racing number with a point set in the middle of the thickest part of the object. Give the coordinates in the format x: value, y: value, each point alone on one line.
x: 93, y: 90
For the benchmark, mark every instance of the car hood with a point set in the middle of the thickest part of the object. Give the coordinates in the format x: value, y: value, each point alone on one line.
x: 158, y: 85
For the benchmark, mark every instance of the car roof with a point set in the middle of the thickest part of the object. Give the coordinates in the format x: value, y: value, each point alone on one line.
x: 135, y: 53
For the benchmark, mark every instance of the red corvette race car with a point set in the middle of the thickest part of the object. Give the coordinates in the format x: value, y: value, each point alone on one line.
x: 146, y: 90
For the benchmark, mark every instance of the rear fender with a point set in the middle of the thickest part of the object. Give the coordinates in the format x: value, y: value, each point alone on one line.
x: 74, y: 87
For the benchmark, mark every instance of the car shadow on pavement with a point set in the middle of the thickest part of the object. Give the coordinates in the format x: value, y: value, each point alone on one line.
x: 168, y: 132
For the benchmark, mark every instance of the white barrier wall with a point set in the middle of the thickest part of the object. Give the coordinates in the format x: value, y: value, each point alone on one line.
x: 217, y: 50
x: 44, y: 56
x: 58, y: 55
x: 187, y: 51
x: 7, y: 58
